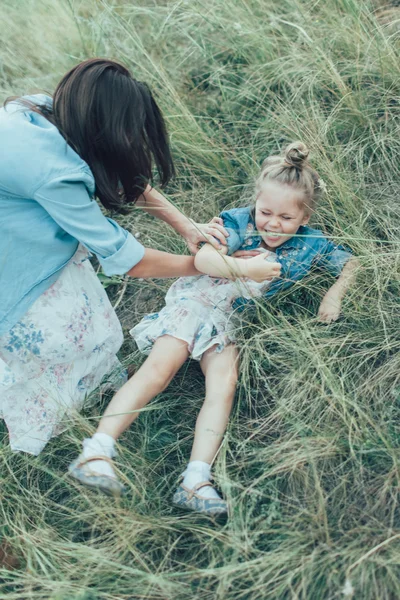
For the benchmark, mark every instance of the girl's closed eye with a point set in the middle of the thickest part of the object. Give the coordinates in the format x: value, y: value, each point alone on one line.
x: 267, y: 214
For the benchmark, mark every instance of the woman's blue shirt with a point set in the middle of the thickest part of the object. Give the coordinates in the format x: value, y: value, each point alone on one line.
x: 47, y: 208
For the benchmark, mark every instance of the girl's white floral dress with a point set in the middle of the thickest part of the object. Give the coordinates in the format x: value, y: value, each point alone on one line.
x: 56, y: 355
x: 199, y: 311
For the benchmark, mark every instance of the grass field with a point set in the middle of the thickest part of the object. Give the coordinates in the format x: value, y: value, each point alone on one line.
x: 311, y: 459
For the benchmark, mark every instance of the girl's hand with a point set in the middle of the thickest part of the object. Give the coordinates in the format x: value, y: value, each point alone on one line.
x: 260, y: 269
x: 331, y: 303
x: 200, y: 232
x: 329, y: 309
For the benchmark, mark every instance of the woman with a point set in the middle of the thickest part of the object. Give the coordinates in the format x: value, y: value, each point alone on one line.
x: 59, y: 335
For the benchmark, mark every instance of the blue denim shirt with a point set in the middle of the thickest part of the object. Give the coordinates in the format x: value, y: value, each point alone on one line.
x: 46, y: 210
x: 297, y: 256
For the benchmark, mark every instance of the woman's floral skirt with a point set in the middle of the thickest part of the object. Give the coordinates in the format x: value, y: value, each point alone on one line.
x: 56, y: 355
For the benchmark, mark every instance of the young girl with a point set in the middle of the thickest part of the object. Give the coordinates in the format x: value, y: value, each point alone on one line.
x: 197, y: 319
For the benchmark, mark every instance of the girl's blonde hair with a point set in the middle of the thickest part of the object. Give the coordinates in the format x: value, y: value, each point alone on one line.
x: 293, y: 169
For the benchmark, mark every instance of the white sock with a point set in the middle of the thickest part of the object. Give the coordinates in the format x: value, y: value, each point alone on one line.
x: 196, y: 472
x: 100, y: 444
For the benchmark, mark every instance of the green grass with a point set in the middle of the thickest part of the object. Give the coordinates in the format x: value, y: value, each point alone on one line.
x: 311, y: 458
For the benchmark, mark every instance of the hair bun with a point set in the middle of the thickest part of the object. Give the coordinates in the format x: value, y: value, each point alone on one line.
x: 296, y: 154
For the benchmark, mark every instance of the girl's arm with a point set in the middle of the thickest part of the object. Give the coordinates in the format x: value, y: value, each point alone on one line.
x: 157, y: 205
x: 329, y: 309
x: 214, y: 262
x: 161, y: 264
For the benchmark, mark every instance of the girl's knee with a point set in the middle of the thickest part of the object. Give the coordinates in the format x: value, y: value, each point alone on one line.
x: 232, y: 379
x: 223, y: 383
x: 228, y: 373
x: 167, y: 356
x: 161, y: 373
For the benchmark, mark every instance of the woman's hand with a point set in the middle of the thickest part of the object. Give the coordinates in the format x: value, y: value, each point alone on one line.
x: 200, y: 232
x: 329, y: 309
x: 157, y: 205
x: 260, y: 269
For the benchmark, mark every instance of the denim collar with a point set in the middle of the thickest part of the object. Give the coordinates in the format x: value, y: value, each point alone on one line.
x: 295, y: 242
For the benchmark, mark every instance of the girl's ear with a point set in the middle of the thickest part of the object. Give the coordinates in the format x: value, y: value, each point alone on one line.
x: 306, y: 219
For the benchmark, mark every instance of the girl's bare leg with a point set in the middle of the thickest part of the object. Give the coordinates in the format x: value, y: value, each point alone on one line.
x: 221, y: 373
x: 167, y: 356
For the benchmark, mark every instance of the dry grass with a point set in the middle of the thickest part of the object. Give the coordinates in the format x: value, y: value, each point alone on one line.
x: 310, y: 460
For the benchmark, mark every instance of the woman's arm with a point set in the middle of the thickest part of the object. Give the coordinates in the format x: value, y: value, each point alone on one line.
x: 157, y: 205
x: 67, y: 201
x: 330, y: 307
x: 214, y: 262
x: 161, y: 264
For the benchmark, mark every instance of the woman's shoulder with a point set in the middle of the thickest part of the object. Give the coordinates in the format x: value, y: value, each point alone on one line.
x: 32, y: 150
x: 23, y: 103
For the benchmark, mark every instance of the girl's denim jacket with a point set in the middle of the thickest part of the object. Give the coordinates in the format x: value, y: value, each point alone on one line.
x: 297, y: 256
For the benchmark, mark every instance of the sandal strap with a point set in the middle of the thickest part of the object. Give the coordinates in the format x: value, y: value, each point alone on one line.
x: 182, y: 477
x: 202, y: 484
x: 193, y: 492
x: 93, y: 458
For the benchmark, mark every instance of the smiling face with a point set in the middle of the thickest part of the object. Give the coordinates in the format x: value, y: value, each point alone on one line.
x: 279, y: 210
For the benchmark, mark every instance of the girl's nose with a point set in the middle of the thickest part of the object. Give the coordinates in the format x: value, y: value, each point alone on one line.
x: 273, y: 222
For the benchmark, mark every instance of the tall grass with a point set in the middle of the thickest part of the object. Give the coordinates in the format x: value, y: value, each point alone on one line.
x: 310, y: 462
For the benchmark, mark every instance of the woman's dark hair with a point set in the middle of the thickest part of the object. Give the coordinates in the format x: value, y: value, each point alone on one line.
x: 113, y: 122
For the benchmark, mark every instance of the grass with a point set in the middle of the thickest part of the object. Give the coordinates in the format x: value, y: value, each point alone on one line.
x: 311, y: 458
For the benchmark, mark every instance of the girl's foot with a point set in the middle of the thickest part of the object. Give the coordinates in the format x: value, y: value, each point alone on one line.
x: 197, y: 493
x: 82, y: 470
x: 191, y: 499
x: 94, y: 467
x: 196, y: 472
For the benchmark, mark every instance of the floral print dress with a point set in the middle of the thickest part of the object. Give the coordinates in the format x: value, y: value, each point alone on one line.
x: 56, y: 355
x: 199, y: 311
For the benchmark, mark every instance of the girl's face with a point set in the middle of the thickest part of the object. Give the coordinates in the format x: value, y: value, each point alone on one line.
x: 279, y: 210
